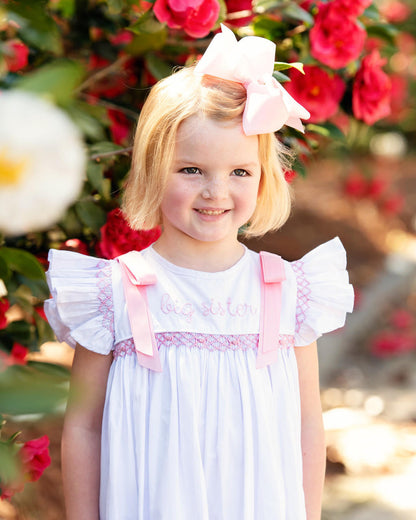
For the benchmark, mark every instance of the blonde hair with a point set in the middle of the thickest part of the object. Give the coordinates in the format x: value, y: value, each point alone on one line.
x: 172, y: 101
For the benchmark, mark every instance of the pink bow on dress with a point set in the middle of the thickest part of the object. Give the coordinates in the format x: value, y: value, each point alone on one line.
x: 250, y: 62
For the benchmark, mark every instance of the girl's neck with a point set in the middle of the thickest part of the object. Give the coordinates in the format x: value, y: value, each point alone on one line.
x: 201, y: 256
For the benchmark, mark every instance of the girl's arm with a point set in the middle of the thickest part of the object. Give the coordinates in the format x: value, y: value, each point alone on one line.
x: 313, y: 435
x: 81, y: 437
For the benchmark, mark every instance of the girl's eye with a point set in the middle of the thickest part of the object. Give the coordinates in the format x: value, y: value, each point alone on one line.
x: 191, y: 170
x: 239, y: 172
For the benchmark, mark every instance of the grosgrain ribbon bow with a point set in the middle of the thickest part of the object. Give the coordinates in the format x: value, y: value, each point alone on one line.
x: 250, y: 61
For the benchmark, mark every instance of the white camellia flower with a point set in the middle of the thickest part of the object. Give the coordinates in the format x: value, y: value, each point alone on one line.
x: 42, y: 163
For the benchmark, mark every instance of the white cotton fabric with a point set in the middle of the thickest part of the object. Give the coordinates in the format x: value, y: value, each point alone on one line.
x: 210, y: 437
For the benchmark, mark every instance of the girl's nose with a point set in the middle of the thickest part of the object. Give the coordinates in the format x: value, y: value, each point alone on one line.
x: 215, y: 189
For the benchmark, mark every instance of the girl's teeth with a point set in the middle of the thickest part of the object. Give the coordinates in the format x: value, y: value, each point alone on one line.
x: 211, y: 211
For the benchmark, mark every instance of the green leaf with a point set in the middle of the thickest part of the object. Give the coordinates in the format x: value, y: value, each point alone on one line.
x: 281, y: 78
x: 157, y: 67
x: 115, y: 6
x: 263, y: 6
x: 327, y: 130
x: 105, y: 147
x: 386, y: 32
x: 372, y: 12
x: 44, y: 330
x: 90, y: 126
x: 5, y: 272
x: 150, y: 35
x: 22, y: 262
x: 25, y: 390
x: 299, y: 167
x: 58, y: 372
x: 36, y: 27
x: 65, y: 7
x: 90, y: 214
x: 297, y: 13
x: 20, y: 331
x: 280, y: 65
x: 274, y: 30
x: 57, y: 80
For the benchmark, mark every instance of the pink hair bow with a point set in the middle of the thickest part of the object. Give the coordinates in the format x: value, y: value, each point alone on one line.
x: 250, y: 61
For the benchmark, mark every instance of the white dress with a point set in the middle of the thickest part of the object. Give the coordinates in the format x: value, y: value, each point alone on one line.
x: 211, y: 437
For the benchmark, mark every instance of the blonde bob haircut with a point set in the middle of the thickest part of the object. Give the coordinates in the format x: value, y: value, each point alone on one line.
x: 172, y: 101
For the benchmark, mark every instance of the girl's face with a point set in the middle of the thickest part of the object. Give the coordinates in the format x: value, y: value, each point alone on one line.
x: 213, y: 186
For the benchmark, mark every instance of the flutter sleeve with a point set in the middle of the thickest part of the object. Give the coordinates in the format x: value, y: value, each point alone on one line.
x: 80, y: 309
x: 324, y: 294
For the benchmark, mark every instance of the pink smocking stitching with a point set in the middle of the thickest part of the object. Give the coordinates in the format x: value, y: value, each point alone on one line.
x: 105, y: 295
x: 211, y: 342
x: 303, y: 293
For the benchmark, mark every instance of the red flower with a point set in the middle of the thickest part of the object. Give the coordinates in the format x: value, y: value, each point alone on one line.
x: 237, y: 6
x: 393, y: 204
x: 371, y: 95
x: 4, y: 307
x: 195, y: 17
x: 402, y: 319
x: 35, y: 457
x: 120, y: 126
x: 113, y: 84
x: 336, y: 40
x: 317, y: 91
x: 290, y: 175
x: 15, y: 55
x: 122, y: 38
x: 355, y: 185
x: 389, y: 343
x: 118, y: 238
x: 19, y: 354
x: 352, y: 8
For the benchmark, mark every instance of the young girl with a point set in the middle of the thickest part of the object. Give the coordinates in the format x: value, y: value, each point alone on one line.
x: 195, y: 377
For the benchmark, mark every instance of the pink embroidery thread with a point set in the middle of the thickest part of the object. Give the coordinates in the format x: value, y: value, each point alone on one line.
x: 105, y: 295
x: 303, y: 293
x: 211, y: 342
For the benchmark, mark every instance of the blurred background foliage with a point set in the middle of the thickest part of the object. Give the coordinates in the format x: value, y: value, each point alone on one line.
x: 95, y: 60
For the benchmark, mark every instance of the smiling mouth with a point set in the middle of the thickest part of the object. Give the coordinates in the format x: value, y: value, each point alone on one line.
x: 211, y: 211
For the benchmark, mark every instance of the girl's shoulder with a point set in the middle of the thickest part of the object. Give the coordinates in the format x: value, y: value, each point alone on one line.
x: 81, y: 307
x: 323, y: 292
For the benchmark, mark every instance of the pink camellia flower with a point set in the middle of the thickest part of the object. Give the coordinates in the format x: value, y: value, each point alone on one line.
x: 195, y: 17
x: 319, y: 92
x: 395, y: 11
x: 371, y: 95
x: 35, y: 457
x: 336, y: 40
x: 4, y: 307
x: 16, y: 55
x: 238, y: 6
x: 118, y: 238
x: 352, y: 8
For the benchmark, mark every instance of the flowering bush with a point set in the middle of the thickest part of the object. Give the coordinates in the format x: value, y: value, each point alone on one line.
x: 96, y: 62
x: 118, y: 238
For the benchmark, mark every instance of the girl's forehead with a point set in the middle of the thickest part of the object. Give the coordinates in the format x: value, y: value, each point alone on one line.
x: 199, y: 137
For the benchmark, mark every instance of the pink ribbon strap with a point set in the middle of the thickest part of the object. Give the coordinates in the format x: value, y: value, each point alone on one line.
x: 273, y: 274
x: 135, y: 277
x: 250, y: 61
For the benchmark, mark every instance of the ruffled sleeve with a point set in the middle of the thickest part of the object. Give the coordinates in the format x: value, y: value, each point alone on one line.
x: 81, y: 307
x: 324, y: 294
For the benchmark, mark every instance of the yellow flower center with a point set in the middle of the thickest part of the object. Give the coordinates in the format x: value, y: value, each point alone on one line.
x: 10, y: 169
x: 315, y: 90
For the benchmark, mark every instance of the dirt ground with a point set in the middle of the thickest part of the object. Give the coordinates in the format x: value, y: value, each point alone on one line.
x: 369, y: 406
